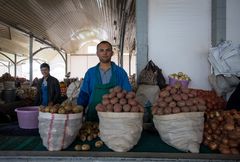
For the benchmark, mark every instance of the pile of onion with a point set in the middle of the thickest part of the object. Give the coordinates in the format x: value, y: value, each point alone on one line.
x: 213, y: 102
x: 222, y: 131
x: 118, y: 100
x: 177, y: 99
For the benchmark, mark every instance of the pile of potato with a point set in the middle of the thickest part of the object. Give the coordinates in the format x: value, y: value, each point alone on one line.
x: 222, y: 131
x: 66, y: 108
x: 213, y: 102
x: 119, y: 100
x: 177, y: 99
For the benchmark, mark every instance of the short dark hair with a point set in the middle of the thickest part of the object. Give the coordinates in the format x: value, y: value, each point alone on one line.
x: 104, y: 42
x: 44, y: 65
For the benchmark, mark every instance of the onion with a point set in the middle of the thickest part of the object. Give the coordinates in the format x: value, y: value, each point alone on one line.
x: 213, y: 145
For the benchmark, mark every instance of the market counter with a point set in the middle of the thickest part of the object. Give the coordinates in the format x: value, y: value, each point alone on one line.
x: 28, y: 144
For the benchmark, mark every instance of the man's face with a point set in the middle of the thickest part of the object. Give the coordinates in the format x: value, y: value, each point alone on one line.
x: 104, y: 53
x: 45, y: 71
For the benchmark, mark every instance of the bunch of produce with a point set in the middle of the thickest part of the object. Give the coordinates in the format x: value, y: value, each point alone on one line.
x: 26, y: 93
x: 88, y: 132
x: 6, y: 77
x: 180, y: 76
x: 119, y: 100
x: 66, y: 108
x: 222, y: 131
x: 213, y: 102
x: 177, y: 99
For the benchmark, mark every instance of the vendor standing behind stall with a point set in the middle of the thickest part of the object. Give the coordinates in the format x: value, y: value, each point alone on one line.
x: 48, y: 88
x: 99, y: 79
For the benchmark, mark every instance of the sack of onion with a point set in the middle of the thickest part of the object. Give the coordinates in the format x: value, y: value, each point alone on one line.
x: 120, y: 119
x: 178, y: 115
x: 59, y: 125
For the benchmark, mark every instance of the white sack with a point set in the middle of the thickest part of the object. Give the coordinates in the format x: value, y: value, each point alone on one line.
x: 58, y: 131
x: 183, y: 131
x: 120, y: 131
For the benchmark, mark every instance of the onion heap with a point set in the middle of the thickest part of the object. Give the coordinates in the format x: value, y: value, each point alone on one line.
x: 67, y: 108
x: 177, y: 99
x: 222, y: 131
x: 88, y: 131
x: 118, y: 100
x: 213, y: 102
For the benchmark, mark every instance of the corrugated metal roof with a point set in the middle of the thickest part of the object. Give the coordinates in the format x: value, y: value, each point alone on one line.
x: 66, y: 23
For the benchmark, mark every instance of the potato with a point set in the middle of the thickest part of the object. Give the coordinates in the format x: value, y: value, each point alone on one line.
x: 194, y: 93
x: 47, y: 109
x: 68, y: 107
x: 132, y: 102
x: 117, y: 107
x: 105, y: 96
x: 164, y: 94
x: 189, y: 103
x: 160, y: 99
x: 176, y: 110
x: 181, y: 103
x: 201, y: 101
x: 130, y: 95
x: 135, y: 109
x: 114, y: 100
x: 83, y: 137
x: 185, y: 109
x: 160, y: 111
x: 193, y: 108
x: 120, y: 95
x: 173, y: 91
x: 163, y: 104
x: 61, y: 111
x: 141, y: 108
x: 99, y: 144
x: 126, y: 108
x: 53, y: 110
x: 184, y: 96
x: 123, y: 101
x: 105, y: 102
x: 112, y: 95
x: 172, y: 104
x: 109, y: 108
x: 176, y: 97
x: 78, y: 147
x: 117, y: 89
x: 167, y: 110
x: 90, y: 137
x: 168, y: 99
x: 168, y: 88
x: 100, y: 108
x: 190, y: 95
x: 185, y: 90
x: 77, y: 109
x: 201, y: 108
x: 86, y: 147
x: 154, y: 110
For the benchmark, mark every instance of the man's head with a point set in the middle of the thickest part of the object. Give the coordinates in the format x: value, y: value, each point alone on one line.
x: 44, y: 67
x: 104, y: 51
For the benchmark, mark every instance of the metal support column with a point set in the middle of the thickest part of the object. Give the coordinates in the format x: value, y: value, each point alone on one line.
x: 122, y: 38
x: 9, y: 67
x: 130, y: 63
x: 218, y: 21
x: 15, y: 65
x: 66, y: 63
x: 141, y: 34
x: 31, y: 58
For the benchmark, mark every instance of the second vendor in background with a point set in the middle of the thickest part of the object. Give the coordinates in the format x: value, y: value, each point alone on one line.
x: 99, y: 79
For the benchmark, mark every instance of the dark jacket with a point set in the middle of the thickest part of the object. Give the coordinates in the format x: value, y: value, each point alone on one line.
x: 53, y: 91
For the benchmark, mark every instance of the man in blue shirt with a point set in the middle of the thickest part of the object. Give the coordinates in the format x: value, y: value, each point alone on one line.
x: 99, y: 79
x: 48, y: 88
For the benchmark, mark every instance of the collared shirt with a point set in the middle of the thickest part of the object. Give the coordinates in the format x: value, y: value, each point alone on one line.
x: 105, y: 75
x: 86, y: 93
